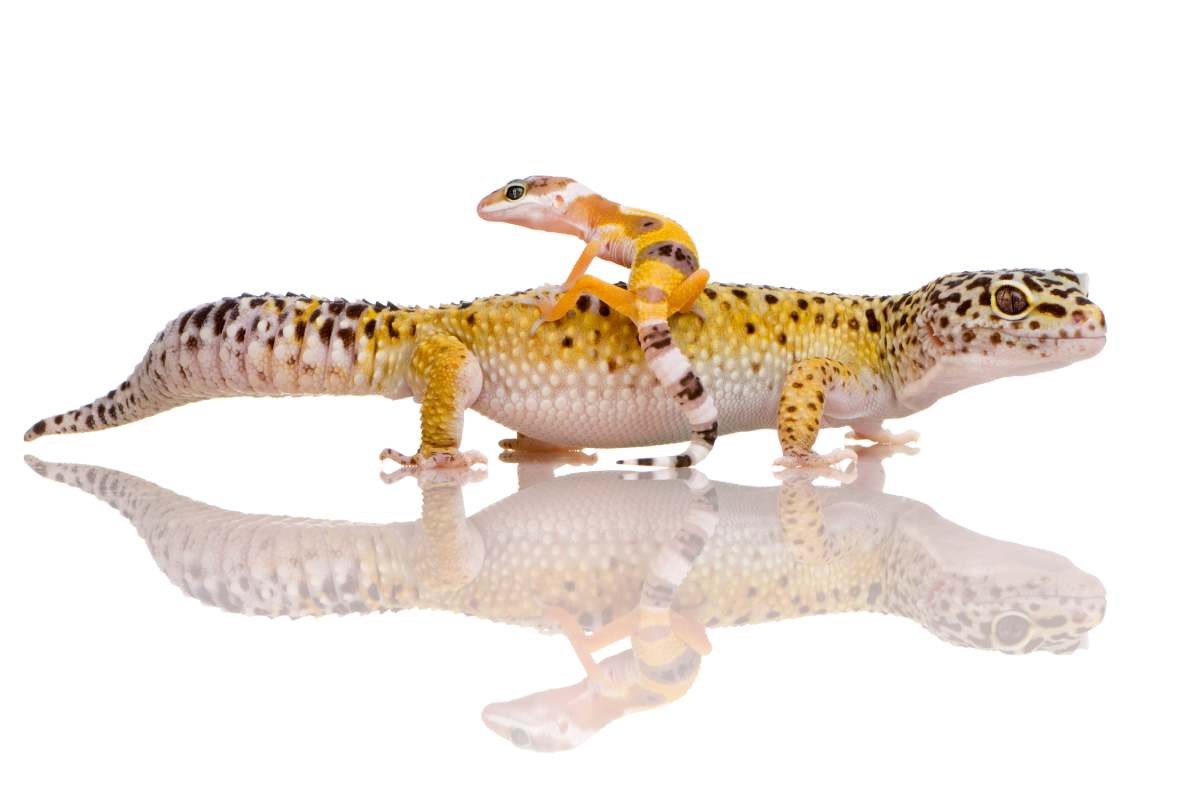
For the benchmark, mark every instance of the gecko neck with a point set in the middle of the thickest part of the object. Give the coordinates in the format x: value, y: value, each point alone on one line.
x: 588, y: 214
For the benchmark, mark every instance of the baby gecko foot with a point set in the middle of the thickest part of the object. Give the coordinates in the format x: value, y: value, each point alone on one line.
x: 543, y: 298
x: 419, y: 465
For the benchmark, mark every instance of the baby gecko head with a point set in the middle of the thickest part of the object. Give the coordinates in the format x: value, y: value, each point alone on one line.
x: 971, y: 327
x: 540, y: 202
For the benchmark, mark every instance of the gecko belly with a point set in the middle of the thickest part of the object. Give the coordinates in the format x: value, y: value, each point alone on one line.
x: 579, y: 410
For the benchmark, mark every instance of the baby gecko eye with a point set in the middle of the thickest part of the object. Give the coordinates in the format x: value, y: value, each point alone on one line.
x: 1009, y: 301
x: 515, y: 192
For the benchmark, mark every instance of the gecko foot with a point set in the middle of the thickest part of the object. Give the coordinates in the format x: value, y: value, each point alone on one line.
x: 885, y: 437
x: 543, y: 298
x: 526, y: 449
x: 810, y: 466
x: 455, y: 465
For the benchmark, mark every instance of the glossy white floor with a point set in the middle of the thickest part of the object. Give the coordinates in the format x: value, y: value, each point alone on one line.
x: 154, y: 160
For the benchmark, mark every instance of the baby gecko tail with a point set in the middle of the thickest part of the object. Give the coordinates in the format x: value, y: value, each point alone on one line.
x: 675, y: 374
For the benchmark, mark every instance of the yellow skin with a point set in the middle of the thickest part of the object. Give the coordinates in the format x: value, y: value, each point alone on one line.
x: 781, y: 358
x: 665, y: 277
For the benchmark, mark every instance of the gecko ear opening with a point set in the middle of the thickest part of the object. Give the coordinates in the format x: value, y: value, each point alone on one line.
x: 559, y: 201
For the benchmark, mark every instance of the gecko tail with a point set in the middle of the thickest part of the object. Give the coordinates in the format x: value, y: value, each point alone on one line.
x: 674, y: 373
x: 136, y: 398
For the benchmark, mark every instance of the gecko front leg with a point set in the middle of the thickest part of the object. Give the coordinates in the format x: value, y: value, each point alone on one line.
x: 446, y: 379
x: 809, y: 384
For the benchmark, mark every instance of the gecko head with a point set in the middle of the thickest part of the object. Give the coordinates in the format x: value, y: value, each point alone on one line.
x: 974, y: 591
x: 540, y: 202
x: 971, y: 327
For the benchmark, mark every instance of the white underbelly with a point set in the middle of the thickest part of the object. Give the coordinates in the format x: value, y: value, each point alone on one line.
x: 628, y: 410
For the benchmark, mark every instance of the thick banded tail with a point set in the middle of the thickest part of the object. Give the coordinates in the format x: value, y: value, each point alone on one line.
x: 675, y: 374
x: 268, y: 345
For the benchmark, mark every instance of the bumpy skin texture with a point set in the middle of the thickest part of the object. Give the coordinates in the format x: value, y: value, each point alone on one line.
x: 583, y: 381
x: 596, y: 550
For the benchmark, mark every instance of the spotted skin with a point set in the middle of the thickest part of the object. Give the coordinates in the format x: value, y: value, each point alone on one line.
x: 600, y: 549
x: 583, y: 381
x: 665, y: 278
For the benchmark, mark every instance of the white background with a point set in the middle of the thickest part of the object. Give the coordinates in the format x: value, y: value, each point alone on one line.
x: 156, y: 156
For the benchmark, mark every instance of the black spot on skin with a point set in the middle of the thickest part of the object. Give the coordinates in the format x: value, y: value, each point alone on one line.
x: 750, y: 327
x: 771, y: 299
x: 40, y: 427
x: 300, y: 328
x: 567, y: 341
x: 689, y: 387
x: 1053, y: 309
x: 391, y: 326
x: 603, y: 309
x: 183, y: 321
x: 337, y: 306
x: 1082, y: 301
x: 584, y: 302
x: 649, y: 224
x: 740, y: 294
x: 58, y: 420
x: 979, y: 283
x: 819, y: 299
x: 91, y: 421
x: 782, y: 338
x: 201, y: 315
x: 111, y: 394
x: 1031, y: 283
x: 710, y: 294
x: 258, y: 301
x: 240, y: 336
x: 222, y: 312
x: 470, y: 321
x: 963, y: 308
x: 795, y: 315
x: 355, y: 311
x: 803, y: 304
x: 326, y: 330
x: 996, y: 337
x: 193, y: 343
x: 872, y: 322
x: 347, y: 337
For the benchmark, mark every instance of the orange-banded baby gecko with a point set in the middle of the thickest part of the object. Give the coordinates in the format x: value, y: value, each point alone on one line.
x: 665, y: 278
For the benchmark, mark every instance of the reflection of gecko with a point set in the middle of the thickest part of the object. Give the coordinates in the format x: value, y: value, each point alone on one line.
x: 770, y: 358
x: 580, y: 548
x: 665, y: 277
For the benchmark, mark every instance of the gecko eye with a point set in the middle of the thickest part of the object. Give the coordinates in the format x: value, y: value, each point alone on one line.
x: 1009, y: 301
x: 515, y: 192
x: 1011, y: 628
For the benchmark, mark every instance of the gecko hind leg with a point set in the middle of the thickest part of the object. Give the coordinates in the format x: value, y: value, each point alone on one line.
x: 446, y: 378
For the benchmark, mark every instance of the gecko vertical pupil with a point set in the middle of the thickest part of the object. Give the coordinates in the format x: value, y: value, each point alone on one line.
x: 515, y: 192
x: 1010, y: 300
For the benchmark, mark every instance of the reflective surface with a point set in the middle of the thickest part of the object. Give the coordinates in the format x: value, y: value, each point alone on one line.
x: 639, y: 566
